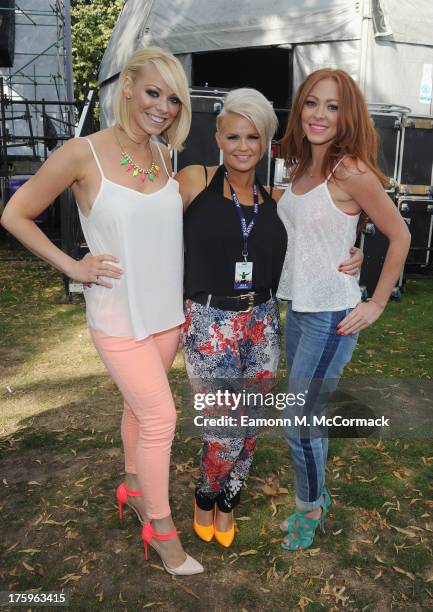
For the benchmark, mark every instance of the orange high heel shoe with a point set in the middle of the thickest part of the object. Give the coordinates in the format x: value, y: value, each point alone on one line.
x: 204, y: 532
x: 189, y: 567
x: 122, y: 493
x: 225, y: 538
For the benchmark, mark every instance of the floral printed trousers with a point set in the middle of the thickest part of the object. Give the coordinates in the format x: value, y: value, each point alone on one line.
x: 237, y: 351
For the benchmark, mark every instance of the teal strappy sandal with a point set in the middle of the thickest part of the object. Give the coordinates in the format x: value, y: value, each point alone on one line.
x: 288, y: 522
x: 300, y: 529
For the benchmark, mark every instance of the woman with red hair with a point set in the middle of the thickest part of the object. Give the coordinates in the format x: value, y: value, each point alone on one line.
x: 330, y: 146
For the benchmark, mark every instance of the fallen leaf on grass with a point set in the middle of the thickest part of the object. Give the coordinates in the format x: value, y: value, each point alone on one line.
x: 429, y: 577
x: 28, y: 567
x: 12, y: 547
x: 402, y: 571
x: 378, y: 575
x: 379, y: 559
x: 243, y: 518
x: 406, y: 532
x: 187, y: 590
x: 273, y: 490
x: 158, y: 567
x: 153, y: 603
x: 30, y: 551
x: 248, y: 552
x: 79, y: 482
x: 70, y: 577
x: 397, y: 475
x: 34, y: 482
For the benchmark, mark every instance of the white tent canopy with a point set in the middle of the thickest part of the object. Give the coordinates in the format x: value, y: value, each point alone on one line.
x: 387, y: 45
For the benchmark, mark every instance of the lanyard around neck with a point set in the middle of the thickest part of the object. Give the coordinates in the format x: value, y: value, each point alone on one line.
x: 246, y: 229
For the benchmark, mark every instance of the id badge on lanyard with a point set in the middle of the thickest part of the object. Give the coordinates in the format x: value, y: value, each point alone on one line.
x: 244, y: 269
x: 243, y: 275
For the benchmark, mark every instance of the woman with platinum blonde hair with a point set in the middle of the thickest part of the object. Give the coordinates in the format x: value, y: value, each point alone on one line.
x: 131, y: 214
x: 235, y: 246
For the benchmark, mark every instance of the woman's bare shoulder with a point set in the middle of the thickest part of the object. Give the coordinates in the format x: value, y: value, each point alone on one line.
x: 350, y: 167
x: 190, y: 172
x: 197, y: 169
x: 193, y: 179
x: 76, y: 152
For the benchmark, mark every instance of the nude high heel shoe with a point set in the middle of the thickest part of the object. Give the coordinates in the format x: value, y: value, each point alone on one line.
x: 189, y: 567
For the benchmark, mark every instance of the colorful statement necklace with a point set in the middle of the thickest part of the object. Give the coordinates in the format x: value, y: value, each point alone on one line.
x: 126, y: 160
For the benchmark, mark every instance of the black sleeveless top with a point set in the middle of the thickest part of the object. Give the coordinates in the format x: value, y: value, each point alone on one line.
x: 213, y: 242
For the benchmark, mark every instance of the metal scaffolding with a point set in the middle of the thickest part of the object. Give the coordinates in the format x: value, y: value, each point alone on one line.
x: 36, y: 88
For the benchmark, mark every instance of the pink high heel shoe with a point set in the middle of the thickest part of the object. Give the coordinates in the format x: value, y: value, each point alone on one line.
x: 122, y: 493
x: 189, y: 567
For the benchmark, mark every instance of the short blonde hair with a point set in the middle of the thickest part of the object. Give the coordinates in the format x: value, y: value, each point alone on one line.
x: 252, y: 105
x: 173, y: 74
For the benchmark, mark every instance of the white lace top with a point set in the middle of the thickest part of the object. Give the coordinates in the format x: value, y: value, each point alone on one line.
x: 145, y: 232
x: 320, y: 236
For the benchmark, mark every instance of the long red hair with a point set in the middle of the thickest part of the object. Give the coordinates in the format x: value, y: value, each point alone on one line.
x: 356, y: 137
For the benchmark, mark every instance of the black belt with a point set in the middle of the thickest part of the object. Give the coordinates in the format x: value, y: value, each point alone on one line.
x: 244, y: 302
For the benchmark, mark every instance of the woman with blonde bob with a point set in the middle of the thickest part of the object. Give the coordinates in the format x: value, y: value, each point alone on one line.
x: 131, y: 214
x: 235, y: 245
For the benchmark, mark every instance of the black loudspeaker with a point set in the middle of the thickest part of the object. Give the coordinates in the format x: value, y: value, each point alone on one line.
x: 7, y: 32
x: 375, y: 246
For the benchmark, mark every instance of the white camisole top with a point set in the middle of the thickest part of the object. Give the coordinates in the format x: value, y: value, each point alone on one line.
x: 320, y: 237
x: 145, y: 232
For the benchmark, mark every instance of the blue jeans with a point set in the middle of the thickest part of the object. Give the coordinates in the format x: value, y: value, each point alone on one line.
x: 316, y: 357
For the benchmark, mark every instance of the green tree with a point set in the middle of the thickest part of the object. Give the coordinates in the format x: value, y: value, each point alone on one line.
x: 92, y: 22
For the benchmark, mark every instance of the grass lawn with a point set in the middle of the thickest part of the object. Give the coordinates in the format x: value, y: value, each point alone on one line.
x: 61, y: 460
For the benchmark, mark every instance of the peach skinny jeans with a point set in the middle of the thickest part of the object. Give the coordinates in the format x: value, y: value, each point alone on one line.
x: 139, y: 369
